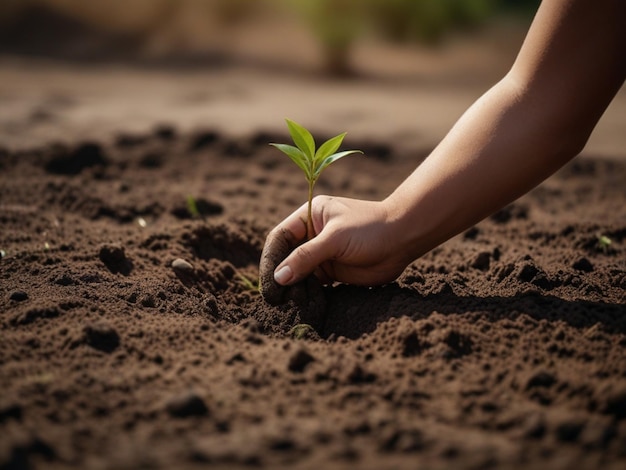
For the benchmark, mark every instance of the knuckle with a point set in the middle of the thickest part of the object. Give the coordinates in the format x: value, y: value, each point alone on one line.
x: 321, y: 200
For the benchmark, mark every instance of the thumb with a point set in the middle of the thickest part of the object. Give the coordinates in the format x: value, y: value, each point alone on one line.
x: 304, y: 260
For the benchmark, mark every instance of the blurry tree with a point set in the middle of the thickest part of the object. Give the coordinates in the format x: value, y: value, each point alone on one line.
x: 336, y: 25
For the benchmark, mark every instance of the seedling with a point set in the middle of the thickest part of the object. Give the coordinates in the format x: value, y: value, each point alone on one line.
x: 300, y: 330
x: 248, y: 283
x: 192, y: 207
x: 604, y: 243
x: 310, y: 160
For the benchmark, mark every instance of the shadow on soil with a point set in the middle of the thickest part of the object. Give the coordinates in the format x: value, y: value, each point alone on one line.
x: 354, y: 311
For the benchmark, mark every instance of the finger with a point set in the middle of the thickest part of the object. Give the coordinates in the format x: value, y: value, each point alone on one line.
x: 275, y: 250
x: 304, y: 260
x: 293, y: 228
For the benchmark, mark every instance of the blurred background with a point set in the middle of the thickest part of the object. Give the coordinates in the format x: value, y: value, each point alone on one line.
x: 204, y: 31
x: 397, y: 71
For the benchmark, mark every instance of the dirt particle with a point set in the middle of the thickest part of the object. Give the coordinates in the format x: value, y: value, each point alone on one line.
x: 510, y: 212
x: 102, y: 336
x: 85, y: 155
x: 569, y: 429
x: 35, y: 314
x: 151, y: 160
x: 202, y: 140
x: 359, y: 375
x: 482, y: 261
x: 614, y: 401
x: 65, y: 280
x: 165, y: 132
x: 459, y: 343
x: 27, y: 449
x: 471, y: 233
x: 541, y: 378
x: 148, y: 301
x: 201, y: 208
x: 299, y: 360
x: 411, y: 345
x: 186, y: 404
x: 534, y: 426
x: 402, y: 440
x: 528, y: 272
x: 10, y: 411
x: 583, y: 264
x: 18, y: 296
x: 114, y: 258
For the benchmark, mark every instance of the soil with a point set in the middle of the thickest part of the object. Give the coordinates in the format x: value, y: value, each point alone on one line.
x: 133, y: 334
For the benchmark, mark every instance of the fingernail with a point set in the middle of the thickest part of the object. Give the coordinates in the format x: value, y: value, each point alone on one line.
x: 283, y: 275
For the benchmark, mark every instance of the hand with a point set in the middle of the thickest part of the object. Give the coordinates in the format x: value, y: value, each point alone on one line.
x: 355, y: 243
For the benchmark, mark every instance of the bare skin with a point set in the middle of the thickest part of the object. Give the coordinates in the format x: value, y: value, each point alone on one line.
x: 533, y: 121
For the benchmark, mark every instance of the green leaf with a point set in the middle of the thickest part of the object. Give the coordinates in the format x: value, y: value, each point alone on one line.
x: 329, y: 147
x: 298, y: 157
x: 332, y: 158
x: 302, y: 138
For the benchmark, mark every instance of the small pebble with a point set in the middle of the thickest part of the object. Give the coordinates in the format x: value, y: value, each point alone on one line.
x: 186, y: 405
x: 180, y: 264
x: 18, y: 296
x: 102, y: 336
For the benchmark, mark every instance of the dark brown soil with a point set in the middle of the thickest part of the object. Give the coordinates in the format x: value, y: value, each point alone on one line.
x: 132, y: 338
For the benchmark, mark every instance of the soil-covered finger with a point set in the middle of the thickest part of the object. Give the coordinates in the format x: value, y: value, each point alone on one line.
x: 274, y: 252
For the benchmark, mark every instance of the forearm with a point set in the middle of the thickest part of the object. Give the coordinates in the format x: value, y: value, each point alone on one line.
x: 497, y: 151
x: 522, y: 130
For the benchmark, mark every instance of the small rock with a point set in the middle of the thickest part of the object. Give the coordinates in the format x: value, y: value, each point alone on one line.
x: 182, y: 265
x: 186, y: 405
x: 102, y: 336
x: 18, y: 296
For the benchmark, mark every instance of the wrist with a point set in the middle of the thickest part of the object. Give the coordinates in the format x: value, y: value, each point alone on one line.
x: 408, y: 230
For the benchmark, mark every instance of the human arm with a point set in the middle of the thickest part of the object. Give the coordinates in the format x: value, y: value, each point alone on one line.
x: 528, y: 125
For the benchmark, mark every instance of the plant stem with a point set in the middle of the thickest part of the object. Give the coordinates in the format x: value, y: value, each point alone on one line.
x: 309, y: 220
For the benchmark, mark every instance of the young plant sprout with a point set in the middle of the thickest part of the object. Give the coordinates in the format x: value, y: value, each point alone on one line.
x: 301, y: 330
x: 250, y: 284
x: 192, y: 207
x: 604, y: 243
x: 310, y: 160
